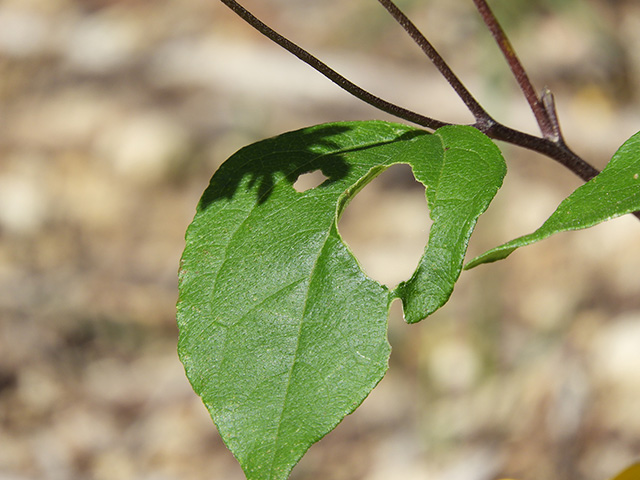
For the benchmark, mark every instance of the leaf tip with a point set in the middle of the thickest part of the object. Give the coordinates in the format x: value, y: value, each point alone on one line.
x: 491, y: 256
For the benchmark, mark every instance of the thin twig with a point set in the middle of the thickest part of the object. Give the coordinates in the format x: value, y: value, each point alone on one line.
x: 479, y: 113
x: 537, y: 107
x: 492, y: 129
x: 330, y: 73
x: 551, y: 146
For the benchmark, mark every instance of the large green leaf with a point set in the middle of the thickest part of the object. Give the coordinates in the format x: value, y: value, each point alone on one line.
x: 281, y: 333
x: 614, y: 192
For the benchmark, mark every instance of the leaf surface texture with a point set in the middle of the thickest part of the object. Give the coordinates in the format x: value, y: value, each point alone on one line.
x: 281, y: 333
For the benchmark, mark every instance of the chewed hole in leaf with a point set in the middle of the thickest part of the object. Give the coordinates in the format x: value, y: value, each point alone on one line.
x: 310, y: 180
x: 387, y: 225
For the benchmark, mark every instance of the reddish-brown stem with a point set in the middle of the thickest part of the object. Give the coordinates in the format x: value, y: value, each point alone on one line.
x: 330, y: 73
x: 479, y: 113
x: 520, y: 74
x: 550, y: 145
x: 484, y: 122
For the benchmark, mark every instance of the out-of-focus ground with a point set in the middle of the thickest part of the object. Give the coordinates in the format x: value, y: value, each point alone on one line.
x: 115, y: 113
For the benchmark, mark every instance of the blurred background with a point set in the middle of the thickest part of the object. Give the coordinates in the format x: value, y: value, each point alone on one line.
x: 115, y: 113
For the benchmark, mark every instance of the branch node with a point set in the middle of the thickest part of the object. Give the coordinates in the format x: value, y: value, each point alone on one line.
x: 549, y: 105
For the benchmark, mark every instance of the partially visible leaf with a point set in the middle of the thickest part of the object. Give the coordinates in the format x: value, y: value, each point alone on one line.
x: 614, y: 192
x: 281, y: 333
x: 630, y: 473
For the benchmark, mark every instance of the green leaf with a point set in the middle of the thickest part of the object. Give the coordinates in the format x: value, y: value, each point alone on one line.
x: 614, y: 192
x: 281, y: 333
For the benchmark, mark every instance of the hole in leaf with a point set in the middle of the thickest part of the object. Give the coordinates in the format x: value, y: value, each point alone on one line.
x: 310, y: 180
x: 387, y: 225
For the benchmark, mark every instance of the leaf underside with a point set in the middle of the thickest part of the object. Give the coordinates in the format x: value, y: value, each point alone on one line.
x: 281, y: 333
x: 614, y: 192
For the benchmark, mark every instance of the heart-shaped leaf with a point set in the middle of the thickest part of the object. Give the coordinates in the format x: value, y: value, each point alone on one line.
x: 281, y: 333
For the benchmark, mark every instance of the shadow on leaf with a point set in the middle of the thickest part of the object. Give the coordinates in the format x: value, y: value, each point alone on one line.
x: 289, y: 155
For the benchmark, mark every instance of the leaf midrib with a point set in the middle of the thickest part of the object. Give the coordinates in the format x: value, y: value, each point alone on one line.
x: 297, y: 350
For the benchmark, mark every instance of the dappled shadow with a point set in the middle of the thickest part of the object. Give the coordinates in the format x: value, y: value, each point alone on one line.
x: 291, y: 154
